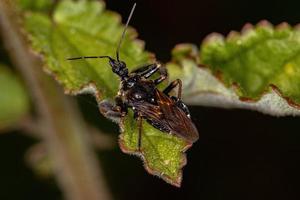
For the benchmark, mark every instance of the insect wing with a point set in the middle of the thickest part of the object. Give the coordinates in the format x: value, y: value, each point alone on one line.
x: 177, y: 120
x: 149, y: 111
x: 152, y: 113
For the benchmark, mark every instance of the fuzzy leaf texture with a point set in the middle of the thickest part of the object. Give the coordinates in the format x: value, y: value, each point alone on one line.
x: 14, y: 101
x: 256, y: 69
x: 79, y: 28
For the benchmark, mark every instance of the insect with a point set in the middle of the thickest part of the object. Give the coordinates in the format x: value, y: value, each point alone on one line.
x: 139, y: 93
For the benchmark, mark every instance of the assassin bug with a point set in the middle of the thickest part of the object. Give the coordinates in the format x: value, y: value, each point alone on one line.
x: 137, y: 92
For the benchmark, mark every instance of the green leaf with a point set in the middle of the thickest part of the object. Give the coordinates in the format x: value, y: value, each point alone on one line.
x: 14, y: 101
x: 86, y: 28
x: 162, y: 153
x: 202, y: 87
x: 83, y: 28
x: 36, y: 5
x: 256, y: 59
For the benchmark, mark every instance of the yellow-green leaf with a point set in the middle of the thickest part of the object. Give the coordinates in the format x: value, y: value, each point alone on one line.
x: 202, y: 87
x: 162, y: 153
x: 259, y: 57
x: 37, y: 5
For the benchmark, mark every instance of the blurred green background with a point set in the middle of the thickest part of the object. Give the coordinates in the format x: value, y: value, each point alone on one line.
x: 240, y: 155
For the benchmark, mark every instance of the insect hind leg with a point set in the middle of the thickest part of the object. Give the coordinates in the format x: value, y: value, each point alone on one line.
x: 177, y: 99
x: 172, y: 85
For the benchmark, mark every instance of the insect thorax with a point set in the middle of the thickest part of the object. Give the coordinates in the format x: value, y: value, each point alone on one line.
x: 137, y: 90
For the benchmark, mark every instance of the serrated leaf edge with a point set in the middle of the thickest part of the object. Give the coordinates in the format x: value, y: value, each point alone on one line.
x: 212, y: 98
x: 140, y: 154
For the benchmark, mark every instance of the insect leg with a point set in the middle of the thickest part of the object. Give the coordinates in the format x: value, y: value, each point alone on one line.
x: 163, y: 75
x: 140, y: 129
x: 110, y: 111
x: 172, y: 85
x: 149, y: 70
x: 89, y: 57
x: 120, y: 104
x: 177, y: 99
x: 142, y: 71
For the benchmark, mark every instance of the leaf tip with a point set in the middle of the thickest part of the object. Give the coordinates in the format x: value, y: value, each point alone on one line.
x: 283, y: 26
x: 247, y: 27
x: 185, y: 50
x: 232, y: 35
x: 213, y: 37
x: 265, y: 24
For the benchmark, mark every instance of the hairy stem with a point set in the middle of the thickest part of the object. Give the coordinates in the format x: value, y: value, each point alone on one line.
x: 64, y: 131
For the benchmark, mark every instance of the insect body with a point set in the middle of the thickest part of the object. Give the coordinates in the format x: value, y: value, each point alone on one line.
x: 139, y: 93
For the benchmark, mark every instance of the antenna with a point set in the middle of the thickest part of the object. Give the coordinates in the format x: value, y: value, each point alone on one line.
x: 86, y: 57
x: 124, y: 31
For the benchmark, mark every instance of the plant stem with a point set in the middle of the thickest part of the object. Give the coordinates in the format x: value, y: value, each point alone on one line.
x: 64, y: 131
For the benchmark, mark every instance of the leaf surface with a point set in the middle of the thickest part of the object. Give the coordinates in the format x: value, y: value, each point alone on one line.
x: 36, y: 5
x: 256, y: 69
x: 85, y: 28
x: 257, y: 58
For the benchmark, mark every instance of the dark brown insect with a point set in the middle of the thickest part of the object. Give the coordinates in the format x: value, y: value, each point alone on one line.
x: 163, y: 111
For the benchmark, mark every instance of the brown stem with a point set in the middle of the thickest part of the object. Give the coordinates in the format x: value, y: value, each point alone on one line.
x: 64, y: 132
x: 31, y: 127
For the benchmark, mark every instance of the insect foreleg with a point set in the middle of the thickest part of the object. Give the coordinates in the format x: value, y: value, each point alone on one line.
x: 149, y: 70
x: 145, y: 70
x: 172, y: 85
x: 163, y: 75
